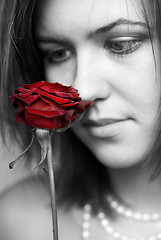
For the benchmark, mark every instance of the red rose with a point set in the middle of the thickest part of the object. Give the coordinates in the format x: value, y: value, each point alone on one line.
x: 47, y: 105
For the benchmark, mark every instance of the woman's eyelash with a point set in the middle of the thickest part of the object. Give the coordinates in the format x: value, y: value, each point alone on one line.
x: 123, y: 46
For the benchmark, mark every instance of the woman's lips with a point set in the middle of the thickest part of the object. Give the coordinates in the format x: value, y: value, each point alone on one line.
x: 105, y: 128
x: 101, y: 122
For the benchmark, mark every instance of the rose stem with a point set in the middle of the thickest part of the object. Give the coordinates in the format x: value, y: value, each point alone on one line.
x: 52, y: 191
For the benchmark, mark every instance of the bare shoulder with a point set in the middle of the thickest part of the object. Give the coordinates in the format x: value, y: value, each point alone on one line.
x: 25, y: 214
x: 22, y: 209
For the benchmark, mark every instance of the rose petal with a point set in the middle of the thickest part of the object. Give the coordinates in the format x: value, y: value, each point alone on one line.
x: 83, y: 105
x: 69, y: 114
x: 68, y: 106
x: 41, y: 121
x: 41, y: 104
x: 20, y: 116
x: 73, y: 96
x: 55, y: 98
x: 13, y: 101
x: 57, y: 87
x: 33, y: 85
x: 47, y: 114
x: 27, y: 100
x: 22, y: 90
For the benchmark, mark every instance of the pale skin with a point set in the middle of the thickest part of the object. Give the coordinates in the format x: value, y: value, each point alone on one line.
x: 103, y: 49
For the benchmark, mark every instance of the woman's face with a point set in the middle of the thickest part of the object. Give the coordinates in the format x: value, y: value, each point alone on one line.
x: 103, y: 49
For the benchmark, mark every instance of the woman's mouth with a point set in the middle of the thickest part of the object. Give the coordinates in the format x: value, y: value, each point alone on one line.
x: 102, y: 122
x: 106, y: 127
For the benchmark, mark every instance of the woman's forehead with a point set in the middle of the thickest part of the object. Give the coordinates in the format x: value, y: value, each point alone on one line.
x: 56, y: 16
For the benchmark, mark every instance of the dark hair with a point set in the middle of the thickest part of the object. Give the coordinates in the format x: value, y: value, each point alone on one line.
x: 81, y: 178
x: 19, y: 60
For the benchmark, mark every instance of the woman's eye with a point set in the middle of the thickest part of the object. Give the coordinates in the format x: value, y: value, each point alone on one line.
x: 123, y: 46
x: 58, y: 56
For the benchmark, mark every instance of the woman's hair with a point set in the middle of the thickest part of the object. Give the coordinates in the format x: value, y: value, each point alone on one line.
x: 19, y: 61
x: 81, y: 178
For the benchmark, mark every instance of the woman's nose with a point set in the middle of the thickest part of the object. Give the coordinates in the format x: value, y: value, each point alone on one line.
x: 91, y: 78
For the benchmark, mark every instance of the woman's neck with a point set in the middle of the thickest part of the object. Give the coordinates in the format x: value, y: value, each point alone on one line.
x: 134, y: 188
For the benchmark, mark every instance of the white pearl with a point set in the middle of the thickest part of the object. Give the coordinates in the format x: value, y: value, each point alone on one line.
x: 86, y: 216
x: 128, y: 213
x: 101, y: 215
x: 86, y: 234
x: 87, y: 207
x: 116, y: 235
x: 155, y: 216
x: 104, y: 222
x: 109, y: 229
x: 86, y: 225
x: 114, y: 204
x: 120, y: 209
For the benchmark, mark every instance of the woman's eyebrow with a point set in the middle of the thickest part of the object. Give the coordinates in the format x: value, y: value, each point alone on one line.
x: 49, y: 39
x: 119, y: 22
x: 103, y: 29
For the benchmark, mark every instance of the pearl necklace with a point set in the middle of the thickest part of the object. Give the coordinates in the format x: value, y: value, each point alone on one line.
x: 86, y: 222
x: 126, y: 212
x: 111, y: 232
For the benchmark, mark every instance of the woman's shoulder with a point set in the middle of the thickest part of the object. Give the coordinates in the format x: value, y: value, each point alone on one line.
x: 25, y: 214
x: 31, y: 191
x: 20, y: 207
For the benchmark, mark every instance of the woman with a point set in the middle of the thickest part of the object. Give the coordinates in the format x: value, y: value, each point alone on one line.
x: 110, y: 51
